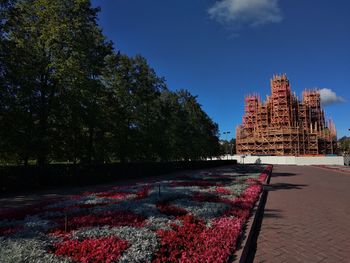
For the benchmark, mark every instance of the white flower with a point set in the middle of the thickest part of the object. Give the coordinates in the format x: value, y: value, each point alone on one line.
x: 156, y: 223
x: 202, y: 210
x: 31, y: 250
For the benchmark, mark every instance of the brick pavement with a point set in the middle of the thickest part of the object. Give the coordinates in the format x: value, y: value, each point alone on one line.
x: 343, y: 169
x: 307, y: 217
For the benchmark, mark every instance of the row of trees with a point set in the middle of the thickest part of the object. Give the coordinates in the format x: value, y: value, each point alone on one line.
x: 67, y: 95
x: 228, y: 147
x: 344, y: 145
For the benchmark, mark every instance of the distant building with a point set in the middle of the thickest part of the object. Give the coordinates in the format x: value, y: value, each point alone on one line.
x: 283, y: 125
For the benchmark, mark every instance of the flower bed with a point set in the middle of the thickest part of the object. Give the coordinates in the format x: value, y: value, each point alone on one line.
x: 99, y: 250
x: 194, y: 218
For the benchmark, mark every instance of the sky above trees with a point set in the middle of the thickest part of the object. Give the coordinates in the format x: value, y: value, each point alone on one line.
x: 222, y: 50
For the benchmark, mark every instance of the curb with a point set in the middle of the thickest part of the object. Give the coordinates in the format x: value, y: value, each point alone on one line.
x: 332, y: 169
x: 246, y: 251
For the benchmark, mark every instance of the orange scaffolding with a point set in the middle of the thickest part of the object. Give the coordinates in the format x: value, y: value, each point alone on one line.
x: 283, y: 125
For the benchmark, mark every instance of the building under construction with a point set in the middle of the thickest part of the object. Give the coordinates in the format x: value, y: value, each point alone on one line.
x: 284, y: 125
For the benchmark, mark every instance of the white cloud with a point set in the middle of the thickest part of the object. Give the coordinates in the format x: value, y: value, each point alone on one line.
x: 238, y: 13
x: 329, y: 97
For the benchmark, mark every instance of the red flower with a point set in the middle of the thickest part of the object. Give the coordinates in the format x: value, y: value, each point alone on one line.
x: 224, y: 191
x: 21, y: 213
x: 242, y: 205
x: 194, y: 242
x: 99, y: 250
x: 263, y: 177
x: 5, y: 231
x: 170, y: 210
x: 143, y: 193
x: 109, y: 218
x: 252, y: 181
x: 114, y: 195
x: 200, y: 197
x: 61, y: 234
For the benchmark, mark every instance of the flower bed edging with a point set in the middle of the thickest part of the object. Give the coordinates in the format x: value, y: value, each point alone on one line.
x: 249, y: 236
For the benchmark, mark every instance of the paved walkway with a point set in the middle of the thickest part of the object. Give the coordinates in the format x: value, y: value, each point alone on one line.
x: 343, y: 169
x: 307, y: 217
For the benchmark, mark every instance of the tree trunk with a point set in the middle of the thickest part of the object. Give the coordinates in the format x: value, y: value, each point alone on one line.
x: 90, y: 144
x: 42, y: 140
x: 25, y: 161
x: 46, y: 96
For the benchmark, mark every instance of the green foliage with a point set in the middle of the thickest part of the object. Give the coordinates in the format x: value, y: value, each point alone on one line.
x: 344, y: 145
x: 67, y: 96
x: 228, y: 147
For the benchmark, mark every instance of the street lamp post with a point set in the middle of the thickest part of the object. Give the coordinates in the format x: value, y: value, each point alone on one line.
x: 226, y: 133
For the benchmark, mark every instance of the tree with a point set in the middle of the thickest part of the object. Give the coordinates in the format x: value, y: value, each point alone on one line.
x: 196, y: 134
x: 55, y: 53
x: 147, y: 122
x: 146, y: 91
x: 133, y: 107
x: 228, y: 147
x: 119, y: 106
x: 66, y: 95
x: 344, y: 145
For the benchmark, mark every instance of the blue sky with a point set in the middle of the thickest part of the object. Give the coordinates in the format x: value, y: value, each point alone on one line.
x: 222, y: 50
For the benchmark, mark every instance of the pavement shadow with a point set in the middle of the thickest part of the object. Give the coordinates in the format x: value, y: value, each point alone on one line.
x: 284, y: 186
x: 283, y: 174
x: 272, y: 213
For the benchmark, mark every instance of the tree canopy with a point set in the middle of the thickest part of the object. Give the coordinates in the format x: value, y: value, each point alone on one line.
x: 344, y: 145
x: 68, y: 96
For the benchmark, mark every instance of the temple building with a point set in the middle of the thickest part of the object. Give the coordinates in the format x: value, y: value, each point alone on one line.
x: 283, y: 125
